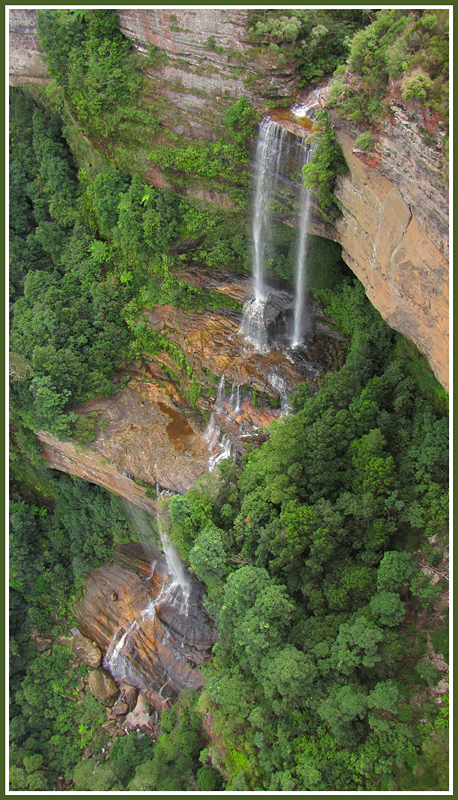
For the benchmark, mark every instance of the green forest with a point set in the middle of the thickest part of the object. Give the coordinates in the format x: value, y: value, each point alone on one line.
x: 316, y: 548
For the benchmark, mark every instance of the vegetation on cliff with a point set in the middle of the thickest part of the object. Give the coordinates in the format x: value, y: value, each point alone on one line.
x: 317, y: 40
x: 323, y: 551
x: 323, y: 674
x: 326, y: 164
x: 88, y: 250
x: 399, y: 53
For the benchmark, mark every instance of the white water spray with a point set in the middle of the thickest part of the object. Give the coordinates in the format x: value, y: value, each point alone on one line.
x: 220, y: 392
x: 218, y: 444
x: 270, y: 150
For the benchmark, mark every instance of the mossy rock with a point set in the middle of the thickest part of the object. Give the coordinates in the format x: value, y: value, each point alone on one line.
x: 103, y: 687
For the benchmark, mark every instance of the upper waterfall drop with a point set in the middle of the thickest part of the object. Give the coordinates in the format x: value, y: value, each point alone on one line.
x: 266, y: 171
x: 270, y: 150
x: 301, y: 264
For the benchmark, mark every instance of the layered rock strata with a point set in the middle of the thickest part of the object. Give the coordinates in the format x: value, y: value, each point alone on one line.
x: 394, y: 232
x: 153, y: 642
x: 26, y: 62
x: 149, y: 432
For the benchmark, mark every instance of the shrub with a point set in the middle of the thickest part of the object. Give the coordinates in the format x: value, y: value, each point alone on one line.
x: 416, y: 86
x: 325, y: 165
x: 365, y: 141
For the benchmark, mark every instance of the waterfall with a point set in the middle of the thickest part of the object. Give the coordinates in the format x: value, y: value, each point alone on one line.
x: 114, y: 661
x: 220, y: 392
x: 299, y: 301
x: 219, y: 445
x: 269, y: 151
x: 267, y: 164
x: 179, y: 584
x: 281, y: 387
x: 237, y: 401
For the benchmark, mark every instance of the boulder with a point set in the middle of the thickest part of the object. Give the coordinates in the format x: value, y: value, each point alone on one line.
x: 103, y: 687
x: 130, y: 698
x: 120, y: 708
x: 87, y: 651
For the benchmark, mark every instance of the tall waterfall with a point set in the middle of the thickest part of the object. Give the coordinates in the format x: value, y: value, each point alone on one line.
x: 266, y: 171
x: 301, y: 264
x: 179, y: 588
x: 269, y: 151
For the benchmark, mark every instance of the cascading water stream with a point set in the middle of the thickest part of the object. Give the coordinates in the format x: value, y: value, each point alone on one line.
x: 218, y: 444
x: 175, y: 592
x: 237, y: 400
x: 220, y: 392
x: 269, y: 152
x: 280, y: 386
x: 114, y: 661
x: 301, y: 265
x: 179, y: 584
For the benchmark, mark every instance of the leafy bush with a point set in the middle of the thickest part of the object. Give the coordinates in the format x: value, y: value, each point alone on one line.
x: 326, y: 164
x: 417, y: 85
x: 409, y: 47
x: 365, y: 141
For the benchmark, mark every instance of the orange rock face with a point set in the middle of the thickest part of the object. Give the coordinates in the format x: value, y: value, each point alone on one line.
x: 149, y: 433
x: 394, y: 234
x: 149, y: 636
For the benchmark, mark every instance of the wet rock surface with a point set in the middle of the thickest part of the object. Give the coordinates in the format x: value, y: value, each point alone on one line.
x: 160, y: 646
x: 149, y: 433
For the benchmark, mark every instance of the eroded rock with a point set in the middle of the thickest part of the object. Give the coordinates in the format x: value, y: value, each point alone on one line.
x: 102, y: 686
x: 157, y: 645
x: 87, y: 652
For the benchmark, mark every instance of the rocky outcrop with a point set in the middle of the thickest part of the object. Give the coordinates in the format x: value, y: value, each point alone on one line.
x: 91, y: 466
x: 103, y: 687
x: 26, y: 62
x: 210, y: 59
x: 150, y: 433
x: 150, y: 638
x: 394, y: 232
x: 87, y: 652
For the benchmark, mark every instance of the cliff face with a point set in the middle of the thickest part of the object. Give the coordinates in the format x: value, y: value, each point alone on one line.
x: 209, y: 61
x: 394, y: 228
x: 26, y: 63
x: 394, y: 232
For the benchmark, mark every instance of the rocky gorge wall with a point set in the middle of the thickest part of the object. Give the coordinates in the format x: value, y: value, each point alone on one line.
x: 394, y: 226
x: 394, y: 231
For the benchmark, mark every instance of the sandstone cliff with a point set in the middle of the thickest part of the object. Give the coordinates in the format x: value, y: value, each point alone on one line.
x: 394, y: 231
x: 26, y: 63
